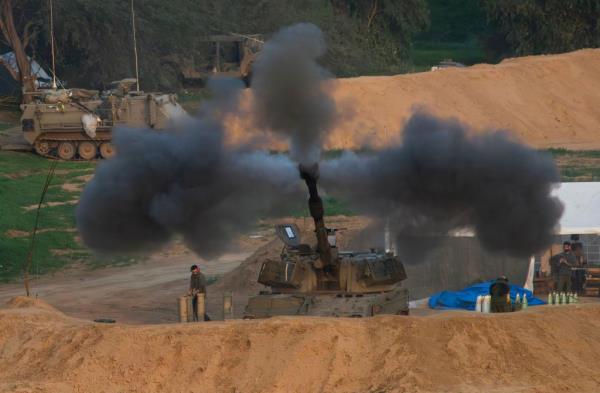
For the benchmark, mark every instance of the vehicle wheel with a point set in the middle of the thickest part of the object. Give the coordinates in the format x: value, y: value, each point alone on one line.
x: 87, y: 150
x: 66, y: 150
x: 107, y: 150
x: 42, y: 148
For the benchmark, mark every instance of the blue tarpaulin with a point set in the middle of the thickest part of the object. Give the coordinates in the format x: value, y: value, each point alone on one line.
x: 466, y: 298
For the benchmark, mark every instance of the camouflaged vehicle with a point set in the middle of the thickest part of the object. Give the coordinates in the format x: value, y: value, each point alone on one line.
x: 325, y: 281
x: 76, y: 124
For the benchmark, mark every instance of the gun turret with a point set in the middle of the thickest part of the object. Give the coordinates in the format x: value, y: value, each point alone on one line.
x: 310, y: 174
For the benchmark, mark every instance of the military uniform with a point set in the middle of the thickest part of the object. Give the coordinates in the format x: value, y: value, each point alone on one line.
x: 197, y: 285
x: 566, y: 261
x: 500, y: 292
x: 578, y: 276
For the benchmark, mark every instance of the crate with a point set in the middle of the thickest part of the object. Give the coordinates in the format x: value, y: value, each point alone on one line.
x: 591, y: 291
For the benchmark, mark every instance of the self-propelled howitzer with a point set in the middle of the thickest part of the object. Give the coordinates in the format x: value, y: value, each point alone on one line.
x: 325, y: 281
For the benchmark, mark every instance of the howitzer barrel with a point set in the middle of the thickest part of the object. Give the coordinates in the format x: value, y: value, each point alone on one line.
x: 315, y: 205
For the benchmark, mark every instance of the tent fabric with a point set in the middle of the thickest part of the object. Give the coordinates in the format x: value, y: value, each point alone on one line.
x: 466, y: 298
x: 10, y: 87
x: 582, y: 207
x: 582, y: 210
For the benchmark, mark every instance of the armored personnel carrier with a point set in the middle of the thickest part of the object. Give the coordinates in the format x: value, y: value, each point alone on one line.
x: 76, y: 124
x: 325, y: 281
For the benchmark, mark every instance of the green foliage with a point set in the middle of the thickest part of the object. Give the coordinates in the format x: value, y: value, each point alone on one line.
x: 94, y: 41
x: 525, y: 27
x: 455, y: 32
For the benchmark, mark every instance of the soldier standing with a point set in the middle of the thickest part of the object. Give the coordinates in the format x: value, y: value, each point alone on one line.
x: 581, y: 265
x: 197, y: 285
x: 500, y: 292
x: 566, y: 261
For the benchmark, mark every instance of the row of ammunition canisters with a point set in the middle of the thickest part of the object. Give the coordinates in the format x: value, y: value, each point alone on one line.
x: 562, y: 298
x: 186, y: 307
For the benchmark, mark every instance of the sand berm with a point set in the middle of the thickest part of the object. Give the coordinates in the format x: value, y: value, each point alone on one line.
x: 543, y: 349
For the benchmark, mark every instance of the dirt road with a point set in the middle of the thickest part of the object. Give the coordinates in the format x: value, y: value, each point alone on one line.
x: 146, y: 292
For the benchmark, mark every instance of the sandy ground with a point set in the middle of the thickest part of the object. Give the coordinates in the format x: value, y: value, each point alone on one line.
x: 147, y: 292
x: 545, y: 101
x: 543, y: 349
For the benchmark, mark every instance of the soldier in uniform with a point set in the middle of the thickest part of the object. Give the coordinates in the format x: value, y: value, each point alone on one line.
x: 197, y: 285
x: 500, y: 292
x: 566, y: 261
x: 578, y: 277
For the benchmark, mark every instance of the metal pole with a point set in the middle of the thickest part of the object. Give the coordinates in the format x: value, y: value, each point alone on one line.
x: 52, y: 46
x: 137, y: 76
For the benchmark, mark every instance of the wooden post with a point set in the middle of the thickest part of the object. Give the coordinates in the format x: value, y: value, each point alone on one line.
x: 190, y: 308
x: 201, y: 306
x: 183, y: 311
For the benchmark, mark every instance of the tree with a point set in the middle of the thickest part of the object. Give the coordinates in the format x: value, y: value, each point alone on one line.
x: 388, y: 26
x: 23, y: 73
x: 542, y: 26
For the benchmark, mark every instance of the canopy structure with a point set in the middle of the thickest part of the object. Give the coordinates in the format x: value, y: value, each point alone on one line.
x: 582, y: 208
x: 8, y: 86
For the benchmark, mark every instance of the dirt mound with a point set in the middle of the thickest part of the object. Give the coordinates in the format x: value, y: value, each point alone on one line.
x: 545, y: 101
x: 29, y: 302
x: 543, y: 349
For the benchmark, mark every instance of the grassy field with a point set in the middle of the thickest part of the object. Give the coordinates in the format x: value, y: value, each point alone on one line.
x: 22, y: 176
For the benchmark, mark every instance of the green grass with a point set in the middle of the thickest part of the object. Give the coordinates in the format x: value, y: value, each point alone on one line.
x: 22, y: 176
x: 582, y: 165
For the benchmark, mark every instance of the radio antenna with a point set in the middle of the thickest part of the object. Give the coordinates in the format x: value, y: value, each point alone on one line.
x: 135, y: 54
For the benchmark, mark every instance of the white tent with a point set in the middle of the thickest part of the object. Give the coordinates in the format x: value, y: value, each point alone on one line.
x: 582, y: 208
x: 42, y: 78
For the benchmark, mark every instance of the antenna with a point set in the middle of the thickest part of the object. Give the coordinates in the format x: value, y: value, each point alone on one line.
x: 52, y: 46
x: 137, y: 76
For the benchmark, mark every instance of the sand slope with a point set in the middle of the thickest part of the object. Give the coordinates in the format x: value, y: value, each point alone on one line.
x: 545, y: 101
x: 548, y: 349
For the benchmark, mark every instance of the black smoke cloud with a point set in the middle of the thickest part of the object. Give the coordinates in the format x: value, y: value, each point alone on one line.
x: 187, y: 182
x: 290, y: 99
x: 444, y: 178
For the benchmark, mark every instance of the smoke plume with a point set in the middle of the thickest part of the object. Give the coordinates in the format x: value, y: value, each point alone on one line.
x: 289, y: 96
x: 441, y: 178
x: 185, y: 181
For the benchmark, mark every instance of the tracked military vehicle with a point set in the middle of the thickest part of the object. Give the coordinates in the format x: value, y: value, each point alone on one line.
x: 325, y: 281
x: 76, y: 124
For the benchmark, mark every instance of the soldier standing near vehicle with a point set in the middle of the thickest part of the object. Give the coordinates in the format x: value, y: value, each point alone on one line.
x: 500, y: 292
x: 197, y: 285
x: 578, y: 277
x: 566, y: 261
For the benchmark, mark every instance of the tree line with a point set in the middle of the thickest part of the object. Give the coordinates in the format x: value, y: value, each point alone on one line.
x: 93, y: 39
